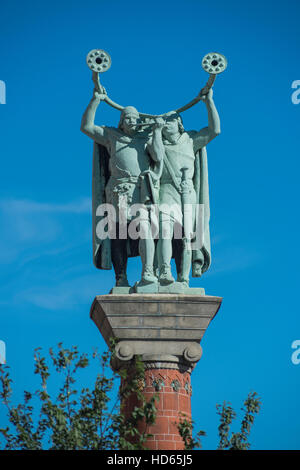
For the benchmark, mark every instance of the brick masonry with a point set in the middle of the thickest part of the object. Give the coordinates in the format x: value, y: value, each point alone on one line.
x: 174, y: 390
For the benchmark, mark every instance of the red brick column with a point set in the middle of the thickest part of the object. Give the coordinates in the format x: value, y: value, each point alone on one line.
x: 174, y: 390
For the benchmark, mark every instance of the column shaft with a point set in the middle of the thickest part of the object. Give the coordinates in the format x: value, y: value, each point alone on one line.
x: 174, y: 391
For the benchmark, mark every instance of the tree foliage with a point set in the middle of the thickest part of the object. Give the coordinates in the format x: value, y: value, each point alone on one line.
x: 186, y: 428
x: 73, y: 419
x: 235, y: 440
x: 66, y: 418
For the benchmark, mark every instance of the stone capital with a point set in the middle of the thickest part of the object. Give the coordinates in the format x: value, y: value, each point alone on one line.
x: 165, y: 330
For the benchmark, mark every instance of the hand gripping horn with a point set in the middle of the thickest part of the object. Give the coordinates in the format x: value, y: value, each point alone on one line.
x: 213, y: 63
x: 99, y: 61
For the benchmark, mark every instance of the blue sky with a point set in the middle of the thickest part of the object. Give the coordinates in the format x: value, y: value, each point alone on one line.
x: 48, y: 280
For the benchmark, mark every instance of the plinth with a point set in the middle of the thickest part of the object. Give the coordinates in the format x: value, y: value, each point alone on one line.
x: 165, y: 330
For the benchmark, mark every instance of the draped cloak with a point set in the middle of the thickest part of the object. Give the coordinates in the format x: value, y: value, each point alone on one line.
x: 202, y: 255
x: 101, y: 248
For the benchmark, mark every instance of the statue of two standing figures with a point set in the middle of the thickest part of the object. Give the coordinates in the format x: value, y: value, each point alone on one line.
x: 150, y: 195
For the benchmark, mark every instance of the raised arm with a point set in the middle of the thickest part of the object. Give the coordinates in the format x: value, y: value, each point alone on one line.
x: 88, y: 126
x: 205, y: 135
x: 156, y: 147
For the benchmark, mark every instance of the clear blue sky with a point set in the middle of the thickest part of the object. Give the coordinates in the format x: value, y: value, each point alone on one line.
x: 48, y: 280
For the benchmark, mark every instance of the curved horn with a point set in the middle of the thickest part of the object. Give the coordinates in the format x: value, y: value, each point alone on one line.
x: 99, y: 61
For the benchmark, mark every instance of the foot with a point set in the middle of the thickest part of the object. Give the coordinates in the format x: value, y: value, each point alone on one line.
x: 121, y: 281
x: 165, y: 277
x: 183, y: 281
x: 148, y: 276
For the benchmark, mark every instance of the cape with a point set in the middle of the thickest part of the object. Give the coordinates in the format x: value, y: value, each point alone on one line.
x: 101, y: 248
x: 203, y: 255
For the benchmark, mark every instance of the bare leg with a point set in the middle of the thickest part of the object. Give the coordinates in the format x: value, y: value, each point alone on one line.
x: 147, y: 251
x: 185, y: 263
x: 165, y: 251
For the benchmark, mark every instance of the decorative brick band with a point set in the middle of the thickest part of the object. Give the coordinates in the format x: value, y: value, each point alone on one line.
x: 180, y: 366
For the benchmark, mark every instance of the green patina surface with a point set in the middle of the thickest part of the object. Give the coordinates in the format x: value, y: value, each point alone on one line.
x: 152, y: 162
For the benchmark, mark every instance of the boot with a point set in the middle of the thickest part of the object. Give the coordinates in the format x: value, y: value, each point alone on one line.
x: 121, y: 281
x: 184, y: 281
x: 148, y: 276
x: 165, y: 276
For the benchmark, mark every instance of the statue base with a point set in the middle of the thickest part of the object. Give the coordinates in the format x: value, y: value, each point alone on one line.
x: 122, y: 290
x: 156, y: 288
x: 158, y: 327
x: 165, y: 330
